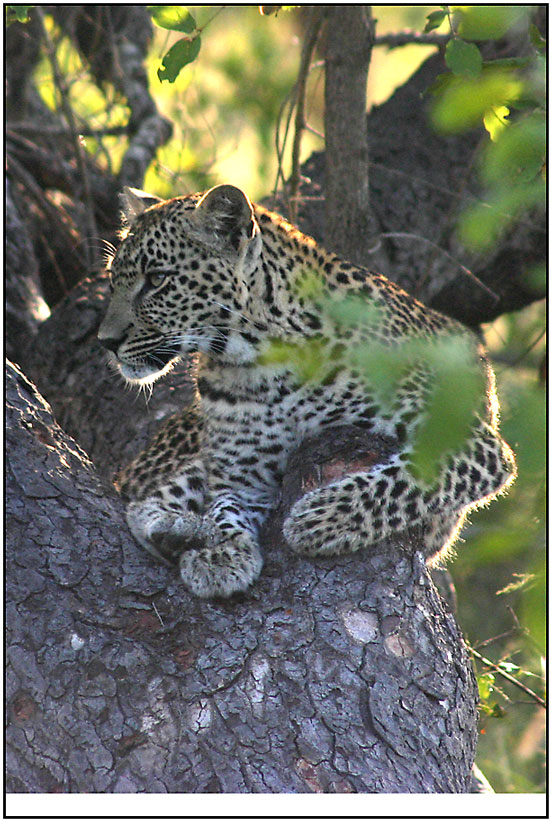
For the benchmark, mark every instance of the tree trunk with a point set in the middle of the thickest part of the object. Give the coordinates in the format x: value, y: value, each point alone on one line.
x: 341, y: 675
x: 349, y: 32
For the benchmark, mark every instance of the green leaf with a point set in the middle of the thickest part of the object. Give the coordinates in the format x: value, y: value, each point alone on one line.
x: 307, y: 360
x: 509, y: 667
x: 175, y: 18
x: 464, y: 59
x: 352, y: 311
x: 434, y: 20
x: 439, y: 84
x: 509, y: 62
x: 498, y: 711
x: 183, y: 52
x: 309, y: 285
x: 480, y: 227
x: 479, y: 22
x: 380, y: 368
x: 17, y: 14
x: 534, y: 609
x: 485, y: 685
x: 450, y: 409
x: 519, y: 153
x: 537, y: 40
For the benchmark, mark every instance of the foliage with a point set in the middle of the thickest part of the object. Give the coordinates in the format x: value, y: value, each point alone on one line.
x: 225, y: 104
x: 185, y: 50
x: 508, y: 97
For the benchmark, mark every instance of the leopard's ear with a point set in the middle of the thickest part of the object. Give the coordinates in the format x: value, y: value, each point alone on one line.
x: 134, y: 202
x: 228, y: 215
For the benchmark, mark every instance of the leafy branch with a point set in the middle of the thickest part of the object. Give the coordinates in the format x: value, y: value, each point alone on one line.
x: 499, y: 668
x: 507, y: 97
x: 185, y: 50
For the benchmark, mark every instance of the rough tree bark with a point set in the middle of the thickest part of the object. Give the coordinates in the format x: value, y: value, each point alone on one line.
x: 349, y: 34
x: 341, y: 675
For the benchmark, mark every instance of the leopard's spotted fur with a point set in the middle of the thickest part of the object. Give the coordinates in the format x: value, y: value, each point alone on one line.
x: 219, y: 276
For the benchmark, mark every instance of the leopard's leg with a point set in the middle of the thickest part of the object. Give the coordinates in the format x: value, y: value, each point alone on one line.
x: 190, y: 514
x: 165, y: 481
x: 364, y: 508
x: 176, y: 443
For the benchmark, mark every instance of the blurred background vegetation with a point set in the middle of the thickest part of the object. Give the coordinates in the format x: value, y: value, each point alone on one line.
x: 225, y: 107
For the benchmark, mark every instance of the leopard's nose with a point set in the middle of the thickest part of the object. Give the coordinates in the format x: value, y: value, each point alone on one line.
x: 110, y: 343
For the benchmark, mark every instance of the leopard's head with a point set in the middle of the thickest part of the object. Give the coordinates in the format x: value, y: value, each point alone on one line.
x: 181, y: 282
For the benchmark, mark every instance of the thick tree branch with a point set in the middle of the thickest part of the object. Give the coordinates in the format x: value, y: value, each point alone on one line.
x: 341, y: 675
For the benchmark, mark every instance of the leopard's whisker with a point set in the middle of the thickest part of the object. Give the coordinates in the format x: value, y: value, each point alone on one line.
x: 239, y: 314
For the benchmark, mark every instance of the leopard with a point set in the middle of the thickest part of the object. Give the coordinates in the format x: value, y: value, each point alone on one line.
x: 213, y: 277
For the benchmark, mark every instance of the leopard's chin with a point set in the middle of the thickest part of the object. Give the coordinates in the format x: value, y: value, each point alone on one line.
x: 145, y: 372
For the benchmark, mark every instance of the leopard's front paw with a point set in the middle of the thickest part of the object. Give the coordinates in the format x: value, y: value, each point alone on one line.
x: 164, y: 532
x: 221, y: 568
x: 212, y: 562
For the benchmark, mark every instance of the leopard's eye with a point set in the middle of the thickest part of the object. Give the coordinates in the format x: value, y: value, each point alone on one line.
x: 156, y: 278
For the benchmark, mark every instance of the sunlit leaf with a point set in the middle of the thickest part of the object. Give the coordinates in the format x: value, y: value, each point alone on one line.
x: 509, y: 667
x: 495, y: 120
x: 485, y: 685
x: 19, y: 14
x: 434, y: 20
x: 478, y: 22
x: 174, y: 18
x: 465, y: 101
